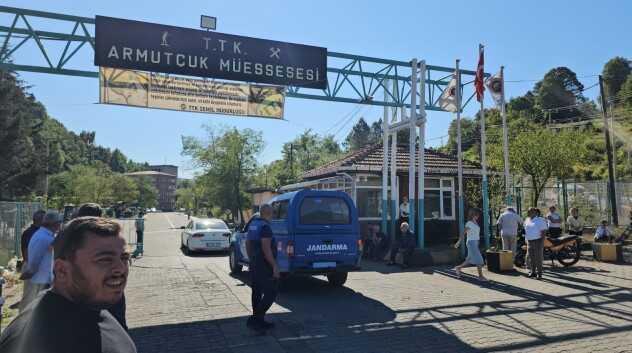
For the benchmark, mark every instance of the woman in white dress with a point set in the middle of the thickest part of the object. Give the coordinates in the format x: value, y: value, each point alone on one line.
x: 472, y: 234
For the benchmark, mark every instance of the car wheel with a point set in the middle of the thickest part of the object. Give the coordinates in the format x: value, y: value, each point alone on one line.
x: 337, y: 279
x: 235, y: 267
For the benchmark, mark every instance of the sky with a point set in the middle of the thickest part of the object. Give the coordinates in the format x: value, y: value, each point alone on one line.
x: 528, y: 38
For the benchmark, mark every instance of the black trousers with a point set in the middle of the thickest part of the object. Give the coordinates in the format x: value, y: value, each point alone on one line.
x: 407, y: 252
x: 555, y: 232
x: 264, y: 291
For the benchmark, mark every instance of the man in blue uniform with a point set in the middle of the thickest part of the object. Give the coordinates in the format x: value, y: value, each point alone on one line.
x: 263, y: 268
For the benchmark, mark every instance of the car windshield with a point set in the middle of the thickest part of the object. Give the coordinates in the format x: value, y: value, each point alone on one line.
x: 211, y: 224
x: 324, y: 210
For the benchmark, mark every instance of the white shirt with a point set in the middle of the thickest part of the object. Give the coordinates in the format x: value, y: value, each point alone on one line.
x: 404, y: 208
x: 554, y: 216
x: 509, y: 222
x: 533, y: 228
x: 575, y: 224
x: 473, y: 231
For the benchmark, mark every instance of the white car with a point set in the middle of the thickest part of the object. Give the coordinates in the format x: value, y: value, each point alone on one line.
x: 205, y: 234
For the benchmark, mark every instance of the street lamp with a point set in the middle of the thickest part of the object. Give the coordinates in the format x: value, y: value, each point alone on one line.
x: 208, y: 22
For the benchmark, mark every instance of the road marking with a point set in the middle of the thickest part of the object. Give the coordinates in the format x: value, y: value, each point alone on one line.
x: 168, y: 220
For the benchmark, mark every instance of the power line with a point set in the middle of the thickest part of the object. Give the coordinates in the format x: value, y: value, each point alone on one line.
x: 353, y: 111
x: 540, y: 79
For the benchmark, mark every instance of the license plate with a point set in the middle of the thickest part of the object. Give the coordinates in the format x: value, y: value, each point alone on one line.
x: 323, y: 264
x: 213, y: 244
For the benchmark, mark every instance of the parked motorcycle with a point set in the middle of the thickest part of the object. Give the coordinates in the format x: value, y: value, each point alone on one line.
x: 566, y: 250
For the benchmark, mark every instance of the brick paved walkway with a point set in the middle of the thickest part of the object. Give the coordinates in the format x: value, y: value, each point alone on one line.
x: 178, y: 303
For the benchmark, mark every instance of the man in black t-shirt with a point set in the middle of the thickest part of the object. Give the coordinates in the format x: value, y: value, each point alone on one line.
x: 91, y: 267
x: 117, y: 310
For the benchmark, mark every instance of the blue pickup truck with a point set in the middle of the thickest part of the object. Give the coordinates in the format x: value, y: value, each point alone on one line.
x: 316, y: 233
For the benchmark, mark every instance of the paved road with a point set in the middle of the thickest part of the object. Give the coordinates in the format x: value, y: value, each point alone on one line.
x: 178, y: 303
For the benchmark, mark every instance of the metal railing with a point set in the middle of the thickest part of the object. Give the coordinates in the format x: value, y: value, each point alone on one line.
x: 15, y: 217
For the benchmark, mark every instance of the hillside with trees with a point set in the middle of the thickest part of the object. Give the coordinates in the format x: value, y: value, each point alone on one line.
x: 35, y: 145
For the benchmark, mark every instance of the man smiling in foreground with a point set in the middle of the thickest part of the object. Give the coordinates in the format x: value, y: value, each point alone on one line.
x: 91, y: 267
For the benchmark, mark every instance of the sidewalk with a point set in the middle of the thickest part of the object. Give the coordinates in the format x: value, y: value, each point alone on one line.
x: 178, y: 303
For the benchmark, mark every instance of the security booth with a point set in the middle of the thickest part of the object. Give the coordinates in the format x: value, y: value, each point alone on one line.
x: 360, y: 175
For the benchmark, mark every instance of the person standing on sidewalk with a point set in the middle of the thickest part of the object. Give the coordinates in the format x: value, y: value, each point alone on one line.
x: 24, y: 247
x: 535, y: 230
x: 264, y: 270
x: 574, y: 224
x: 91, y: 267
x: 474, y: 257
x: 140, y: 231
x: 554, y: 223
x: 38, y: 216
x: 39, y: 268
x: 509, y: 221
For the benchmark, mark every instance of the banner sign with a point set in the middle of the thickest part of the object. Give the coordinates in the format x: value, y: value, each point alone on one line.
x: 152, y: 90
x: 159, y: 48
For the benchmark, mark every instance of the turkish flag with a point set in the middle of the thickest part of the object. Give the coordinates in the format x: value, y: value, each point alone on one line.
x: 479, y: 80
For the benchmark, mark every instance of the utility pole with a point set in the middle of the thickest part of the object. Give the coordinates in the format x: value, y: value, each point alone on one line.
x: 292, y: 161
x: 611, y: 181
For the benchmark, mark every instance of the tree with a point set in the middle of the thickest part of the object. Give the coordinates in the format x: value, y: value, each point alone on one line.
x: 118, y: 162
x: 625, y: 93
x: 559, y: 88
x: 147, y: 193
x: 124, y: 189
x: 542, y: 154
x: 359, y: 136
x: 307, y: 151
x: 20, y: 115
x: 376, y: 134
x: 35, y: 145
x: 615, y: 73
x: 470, y: 135
x: 229, y: 161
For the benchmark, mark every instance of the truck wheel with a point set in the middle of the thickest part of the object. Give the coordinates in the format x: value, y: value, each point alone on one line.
x: 235, y: 267
x: 337, y: 279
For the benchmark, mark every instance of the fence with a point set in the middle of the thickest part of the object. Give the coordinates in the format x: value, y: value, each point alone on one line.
x: 590, y: 197
x: 15, y: 217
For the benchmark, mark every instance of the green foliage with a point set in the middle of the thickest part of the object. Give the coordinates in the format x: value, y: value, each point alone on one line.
x: 97, y: 183
x: 543, y: 154
x: 35, y: 145
x: 559, y: 88
x: 615, y: 73
x: 307, y: 151
x: 229, y: 161
x: 359, y: 136
x: 118, y: 162
x: 625, y: 93
x: 147, y: 193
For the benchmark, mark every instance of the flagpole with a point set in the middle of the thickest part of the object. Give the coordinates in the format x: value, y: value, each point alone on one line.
x: 486, y: 229
x: 459, y: 155
x: 503, y: 113
x: 422, y: 144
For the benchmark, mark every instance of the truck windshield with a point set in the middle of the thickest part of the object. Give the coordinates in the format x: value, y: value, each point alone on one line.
x: 324, y: 210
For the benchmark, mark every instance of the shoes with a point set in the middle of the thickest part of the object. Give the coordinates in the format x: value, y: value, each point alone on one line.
x: 267, y: 325
x: 259, y: 325
x: 539, y: 276
x: 532, y: 275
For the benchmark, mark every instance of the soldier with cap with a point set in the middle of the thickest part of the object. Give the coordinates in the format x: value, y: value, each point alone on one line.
x: 263, y: 268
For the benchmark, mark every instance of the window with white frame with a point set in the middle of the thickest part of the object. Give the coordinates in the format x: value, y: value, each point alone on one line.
x: 439, y: 198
